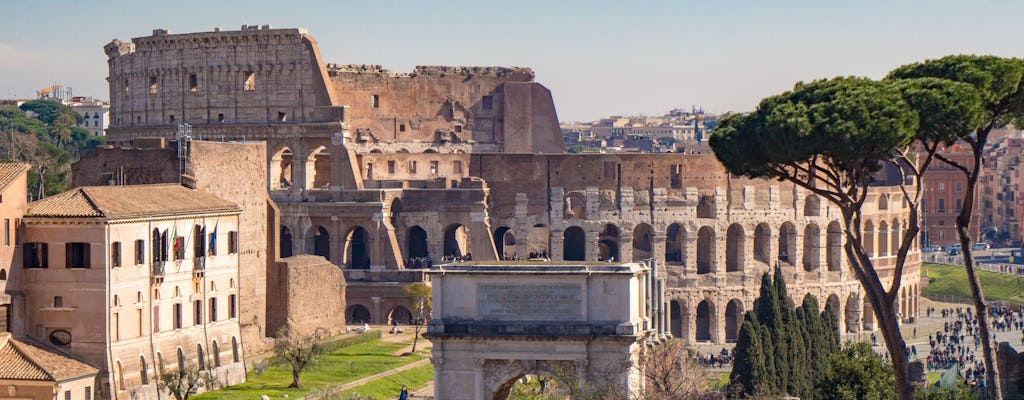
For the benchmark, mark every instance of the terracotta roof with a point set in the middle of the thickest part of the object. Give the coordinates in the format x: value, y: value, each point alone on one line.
x: 9, y: 171
x: 28, y: 359
x: 131, y: 201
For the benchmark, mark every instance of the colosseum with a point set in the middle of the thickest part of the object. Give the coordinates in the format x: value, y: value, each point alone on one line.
x: 385, y: 174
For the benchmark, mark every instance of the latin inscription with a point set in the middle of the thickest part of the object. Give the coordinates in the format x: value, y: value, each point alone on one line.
x: 529, y: 302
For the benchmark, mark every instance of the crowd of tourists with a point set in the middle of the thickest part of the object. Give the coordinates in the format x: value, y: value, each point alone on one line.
x: 419, y: 262
x: 957, y: 345
x: 533, y: 256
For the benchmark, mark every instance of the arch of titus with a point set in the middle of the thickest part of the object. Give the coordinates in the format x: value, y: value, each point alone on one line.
x: 386, y: 173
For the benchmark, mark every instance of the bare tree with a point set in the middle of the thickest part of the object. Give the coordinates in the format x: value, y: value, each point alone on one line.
x: 298, y: 351
x: 420, y: 294
x: 670, y: 373
x: 187, y: 382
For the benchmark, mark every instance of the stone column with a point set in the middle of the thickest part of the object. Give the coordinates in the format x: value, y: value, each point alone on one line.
x: 592, y: 245
x: 377, y: 316
x: 658, y: 245
x: 478, y: 378
x: 557, y: 250
x: 690, y: 249
x: 626, y: 247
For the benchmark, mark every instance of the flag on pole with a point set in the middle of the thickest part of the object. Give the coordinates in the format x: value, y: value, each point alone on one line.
x: 213, y: 240
x: 174, y: 240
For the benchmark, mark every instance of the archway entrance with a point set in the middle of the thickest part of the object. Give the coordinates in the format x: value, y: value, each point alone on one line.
x: 675, y: 243
x: 358, y: 248
x: 401, y: 315
x: 318, y: 169
x: 676, y: 319
x: 322, y: 243
x: 704, y: 321
x: 456, y: 241
x: 533, y: 386
x: 733, y: 320
x: 285, y: 249
x: 643, y: 239
x: 281, y: 169
x: 505, y: 242
x: 608, y: 243
x: 417, y: 242
x: 358, y: 314
x: 574, y: 244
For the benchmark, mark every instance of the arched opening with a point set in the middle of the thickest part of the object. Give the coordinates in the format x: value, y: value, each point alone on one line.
x: 868, y: 316
x: 676, y: 319
x: 574, y: 244
x: 456, y: 241
x: 235, y: 354
x: 812, y: 206
x: 401, y: 315
x: 608, y: 243
x: 417, y: 242
x: 812, y: 248
x: 159, y: 369
x: 675, y: 243
x: 143, y: 370
x: 869, y: 238
x: 281, y: 169
x: 200, y: 357
x: 643, y: 237
x: 322, y: 242
x: 706, y: 207
x: 787, y: 243
x: 358, y: 314
x: 119, y: 371
x: 396, y: 211
x: 762, y: 243
x: 3, y: 274
x: 833, y: 304
x: 216, y: 355
x: 704, y: 321
x: 883, y: 239
x: 357, y: 246
x: 539, y: 242
x: 286, y: 242
x: 852, y: 314
x: 834, y: 252
x: 735, y: 237
x: 733, y: 320
x: 895, y: 237
x: 505, y: 242
x: 181, y: 359
x: 539, y: 384
x: 318, y: 169
x: 705, y: 250
x: 883, y: 201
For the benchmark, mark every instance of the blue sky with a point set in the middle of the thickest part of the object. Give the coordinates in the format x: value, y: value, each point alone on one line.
x: 597, y: 57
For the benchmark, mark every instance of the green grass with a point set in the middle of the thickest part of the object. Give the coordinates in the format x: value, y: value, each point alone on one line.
x: 339, y: 366
x: 390, y: 386
x: 951, y: 280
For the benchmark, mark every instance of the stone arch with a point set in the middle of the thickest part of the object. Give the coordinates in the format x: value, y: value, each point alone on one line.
x: 883, y: 238
x: 396, y: 211
x: 357, y: 314
x: 883, y: 201
x: 538, y: 241
x: 429, y: 151
x: 676, y: 321
x: 143, y: 370
x: 705, y: 250
x: 733, y: 320
x: 181, y: 359
x: 3, y: 274
x: 574, y: 244
x: 456, y: 241
x: 812, y: 247
x: 575, y: 206
x: 401, y: 315
x: 706, y: 206
x: 705, y: 321
x: 321, y: 242
x: 762, y: 243
x: 869, y: 238
x: 735, y: 238
x: 513, y: 372
x: 281, y: 169
x: 216, y: 354
x: 608, y: 243
x: 119, y: 374
x: 852, y: 313
x: 318, y: 168
x: 834, y: 251
x: 895, y: 237
x: 675, y: 244
x: 417, y: 242
x: 643, y: 242
x: 787, y: 243
x: 357, y: 248
x: 812, y: 206
x: 505, y: 241
x: 200, y: 357
x: 833, y: 302
x: 285, y: 245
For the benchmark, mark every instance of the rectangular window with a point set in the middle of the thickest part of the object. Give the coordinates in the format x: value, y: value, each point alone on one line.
x: 177, y: 315
x: 487, y: 103
x: 233, y: 242
x: 35, y: 255
x: 959, y: 186
x: 193, y: 83
x: 677, y: 176
x: 138, y: 321
x: 942, y: 186
x: 249, y: 81
x: 88, y: 393
x: 116, y: 323
x: 942, y: 205
x: 220, y: 117
x: 232, y: 307
x: 401, y: 128
x: 140, y: 252
x: 457, y: 166
x: 213, y: 309
x: 458, y: 128
x: 282, y: 117
x: 171, y: 118
x: 412, y: 167
x: 115, y: 254
x: 7, y: 232
x: 959, y: 204
x: 197, y: 312
x: 67, y: 395
x: 433, y: 167
x: 375, y: 101
x: 76, y: 255
x: 391, y: 167
x: 152, y: 85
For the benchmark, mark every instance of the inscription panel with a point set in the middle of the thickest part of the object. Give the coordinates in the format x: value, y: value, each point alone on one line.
x: 533, y: 302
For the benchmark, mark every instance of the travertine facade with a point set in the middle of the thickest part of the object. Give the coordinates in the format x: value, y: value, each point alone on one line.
x: 377, y: 171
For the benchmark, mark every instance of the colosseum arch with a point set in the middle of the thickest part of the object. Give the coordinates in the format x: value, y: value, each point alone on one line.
x: 318, y: 168
x: 399, y: 314
x: 320, y: 241
x: 787, y: 243
x: 574, y: 244
x: 705, y: 250
x: 883, y: 238
x: 762, y: 243
x: 834, y: 251
x: 608, y: 243
x: 883, y: 201
x: 706, y: 323
x: 417, y: 242
x: 852, y: 313
x: 869, y: 238
x: 285, y: 248
x: 733, y: 320
x: 539, y: 240
x: 643, y: 238
x: 505, y: 241
x: 281, y: 169
x: 833, y: 303
x: 812, y: 206
x: 812, y: 248
x: 456, y: 240
x: 357, y: 314
x: 675, y: 244
x: 357, y: 248
x: 867, y: 316
x: 735, y: 238
x: 677, y: 320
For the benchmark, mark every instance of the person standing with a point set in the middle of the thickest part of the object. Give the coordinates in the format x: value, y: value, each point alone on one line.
x: 405, y: 393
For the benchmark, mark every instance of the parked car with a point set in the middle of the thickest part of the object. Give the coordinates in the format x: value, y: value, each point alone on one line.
x: 932, y: 248
x: 980, y: 246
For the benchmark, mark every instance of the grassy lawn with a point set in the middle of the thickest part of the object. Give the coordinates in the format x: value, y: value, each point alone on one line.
x: 342, y: 365
x: 390, y: 386
x: 950, y: 280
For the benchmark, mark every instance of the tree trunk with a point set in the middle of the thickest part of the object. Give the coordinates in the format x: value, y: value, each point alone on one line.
x: 992, y: 384
x: 296, y: 382
x: 416, y: 337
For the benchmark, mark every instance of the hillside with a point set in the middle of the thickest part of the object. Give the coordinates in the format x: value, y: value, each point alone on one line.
x: 950, y: 281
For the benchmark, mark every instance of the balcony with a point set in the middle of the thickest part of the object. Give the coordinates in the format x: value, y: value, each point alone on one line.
x: 157, y: 272
x: 198, y: 267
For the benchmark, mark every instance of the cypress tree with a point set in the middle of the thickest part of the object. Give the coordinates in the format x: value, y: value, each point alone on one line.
x: 750, y: 367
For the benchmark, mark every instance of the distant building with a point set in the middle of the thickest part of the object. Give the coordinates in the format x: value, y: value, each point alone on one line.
x: 32, y: 370
x: 95, y: 113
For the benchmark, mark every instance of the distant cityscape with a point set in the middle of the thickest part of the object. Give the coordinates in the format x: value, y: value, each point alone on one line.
x: 678, y: 130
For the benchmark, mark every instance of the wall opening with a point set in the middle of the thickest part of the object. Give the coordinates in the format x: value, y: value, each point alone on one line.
x: 574, y: 243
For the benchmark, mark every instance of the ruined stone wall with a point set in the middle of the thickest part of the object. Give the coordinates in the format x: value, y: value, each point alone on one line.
x: 127, y: 166
x: 307, y: 293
